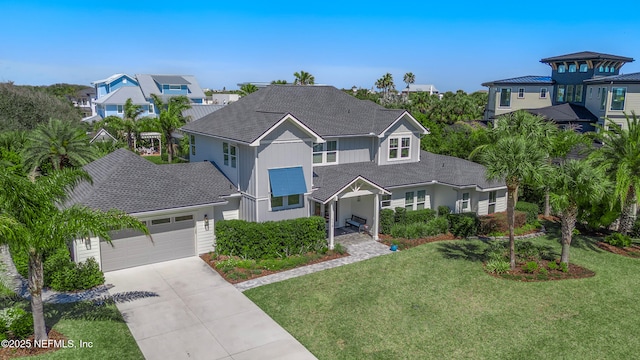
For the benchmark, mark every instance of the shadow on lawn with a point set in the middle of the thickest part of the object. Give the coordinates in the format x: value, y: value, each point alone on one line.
x: 463, y: 251
x: 582, y: 242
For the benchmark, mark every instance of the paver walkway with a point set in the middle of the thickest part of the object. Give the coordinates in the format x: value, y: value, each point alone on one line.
x: 359, y: 246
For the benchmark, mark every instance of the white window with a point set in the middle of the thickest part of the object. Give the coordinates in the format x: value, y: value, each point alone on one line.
x: 399, y: 148
x: 492, y: 201
x: 120, y: 109
x: 286, y: 202
x: 543, y: 93
x: 408, y: 200
x: 230, y: 154
x: 421, y: 199
x: 465, y: 204
x: 151, y: 109
x: 325, y: 153
x: 618, y: 95
x: 521, y: 93
x: 385, y: 201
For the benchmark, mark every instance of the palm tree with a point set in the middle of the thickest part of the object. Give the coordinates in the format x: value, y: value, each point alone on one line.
x: 303, y: 78
x: 58, y: 143
x: 33, y: 220
x: 574, y: 182
x: 517, y: 153
x: 409, y: 78
x: 620, y: 157
x: 170, y: 119
x: 131, y: 113
x: 247, y: 89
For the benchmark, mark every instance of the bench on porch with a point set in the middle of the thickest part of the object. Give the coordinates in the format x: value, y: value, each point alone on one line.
x: 357, y: 222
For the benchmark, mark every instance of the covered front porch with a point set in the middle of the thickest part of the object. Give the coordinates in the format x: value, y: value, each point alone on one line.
x: 355, y: 206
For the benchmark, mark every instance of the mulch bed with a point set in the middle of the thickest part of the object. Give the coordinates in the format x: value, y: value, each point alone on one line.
x: 631, y: 251
x: 11, y: 353
x: 256, y: 273
x: 519, y: 274
x: 408, y: 243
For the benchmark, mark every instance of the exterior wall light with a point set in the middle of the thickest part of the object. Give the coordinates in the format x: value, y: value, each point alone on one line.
x: 206, y: 222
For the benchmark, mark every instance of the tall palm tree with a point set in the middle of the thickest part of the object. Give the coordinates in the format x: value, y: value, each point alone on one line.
x: 517, y: 153
x: 58, y: 143
x: 575, y: 182
x: 170, y: 119
x: 131, y: 113
x: 620, y: 157
x: 33, y: 220
x: 303, y: 78
x: 409, y: 78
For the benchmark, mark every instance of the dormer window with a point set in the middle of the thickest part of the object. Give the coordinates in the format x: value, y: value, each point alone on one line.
x: 572, y: 68
x: 562, y: 68
x: 399, y: 148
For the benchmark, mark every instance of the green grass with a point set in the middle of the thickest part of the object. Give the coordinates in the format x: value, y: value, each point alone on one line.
x: 158, y: 160
x: 435, y: 301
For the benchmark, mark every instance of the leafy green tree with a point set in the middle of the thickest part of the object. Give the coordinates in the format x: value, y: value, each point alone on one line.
x: 409, y: 78
x: 517, y: 154
x: 131, y: 114
x: 620, y: 157
x: 34, y: 221
x: 303, y: 78
x: 247, y: 89
x: 279, y: 82
x: 575, y: 182
x: 170, y: 119
x: 58, y: 143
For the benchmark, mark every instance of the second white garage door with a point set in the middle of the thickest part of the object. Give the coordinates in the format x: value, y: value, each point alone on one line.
x: 173, y: 238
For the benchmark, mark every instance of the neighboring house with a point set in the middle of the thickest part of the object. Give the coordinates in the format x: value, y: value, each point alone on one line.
x: 221, y: 99
x: 102, y: 135
x: 85, y: 101
x: 113, y: 92
x: 296, y: 151
x: 415, y: 88
x: 569, y: 94
x: 611, y: 97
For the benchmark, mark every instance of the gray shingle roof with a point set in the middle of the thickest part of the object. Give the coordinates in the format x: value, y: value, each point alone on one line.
x: 586, y: 55
x: 625, y: 78
x: 126, y: 181
x: 528, y: 79
x: 324, y: 109
x: 150, y: 86
x: 432, y: 168
x: 198, y: 111
x: 565, y: 113
x: 121, y: 95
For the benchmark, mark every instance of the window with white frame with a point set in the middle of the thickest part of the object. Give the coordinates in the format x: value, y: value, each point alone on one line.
x: 521, y: 93
x: 286, y: 202
x: 543, y: 93
x: 420, y: 199
x: 229, y: 153
x: 493, y: 195
x: 408, y: 200
x: 325, y: 153
x: 465, y: 204
x: 618, y: 95
x: 174, y: 87
x: 120, y: 109
x: 385, y: 201
x: 399, y: 147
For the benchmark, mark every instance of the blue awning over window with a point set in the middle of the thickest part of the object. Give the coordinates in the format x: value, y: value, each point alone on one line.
x: 287, y: 181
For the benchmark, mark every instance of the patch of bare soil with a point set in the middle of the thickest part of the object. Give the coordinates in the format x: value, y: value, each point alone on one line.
x: 14, y: 352
x: 630, y: 251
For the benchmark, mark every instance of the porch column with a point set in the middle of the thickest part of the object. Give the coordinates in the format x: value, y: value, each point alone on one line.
x: 376, y: 216
x: 332, y: 221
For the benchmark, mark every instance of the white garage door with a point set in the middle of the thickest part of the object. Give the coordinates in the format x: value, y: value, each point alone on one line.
x: 173, y: 238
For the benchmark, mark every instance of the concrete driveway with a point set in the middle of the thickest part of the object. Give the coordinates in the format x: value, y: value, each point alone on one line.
x: 182, y: 309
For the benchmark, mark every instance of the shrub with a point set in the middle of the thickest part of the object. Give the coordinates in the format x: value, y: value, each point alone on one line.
x: 443, y: 210
x: 271, y: 239
x: 543, y: 271
x: 387, y: 219
x: 530, y: 209
x: 422, y: 215
x: 498, y: 222
x: 420, y: 230
x: 530, y: 267
x: 89, y: 274
x: 497, y: 266
x: 619, y: 240
x: 564, y: 267
x: 62, y: 274
x: 17, y: 323
x: 463, y: 225
x: 552, y: 265
x: 339, y: 249
x: 400, y: 215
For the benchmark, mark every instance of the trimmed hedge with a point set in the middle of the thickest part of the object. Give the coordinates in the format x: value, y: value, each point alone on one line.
x: 463, y: 225
x: 498, y: 222
x: 271, y: 239
x: 387, y: 220
x: 532, y: 211
x: 443, y: 210
x: 423, y: 215
x: 439, y: 225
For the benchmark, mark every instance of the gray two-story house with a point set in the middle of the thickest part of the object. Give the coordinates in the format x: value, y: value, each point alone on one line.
x: 282, y: 152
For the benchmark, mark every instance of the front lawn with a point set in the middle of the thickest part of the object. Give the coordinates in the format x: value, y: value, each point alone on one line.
x: 436, y: 301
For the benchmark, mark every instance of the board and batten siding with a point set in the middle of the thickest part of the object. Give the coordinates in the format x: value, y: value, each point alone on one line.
x: 401, y: 128
x: 210, y: 149
x: 483, y: 202
x: 84, y: 249
x: 248, y: 208
x: 354, y: 149
x: 246, y: 170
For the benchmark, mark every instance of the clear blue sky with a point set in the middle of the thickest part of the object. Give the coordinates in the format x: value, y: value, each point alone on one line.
x: 451, y: 44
